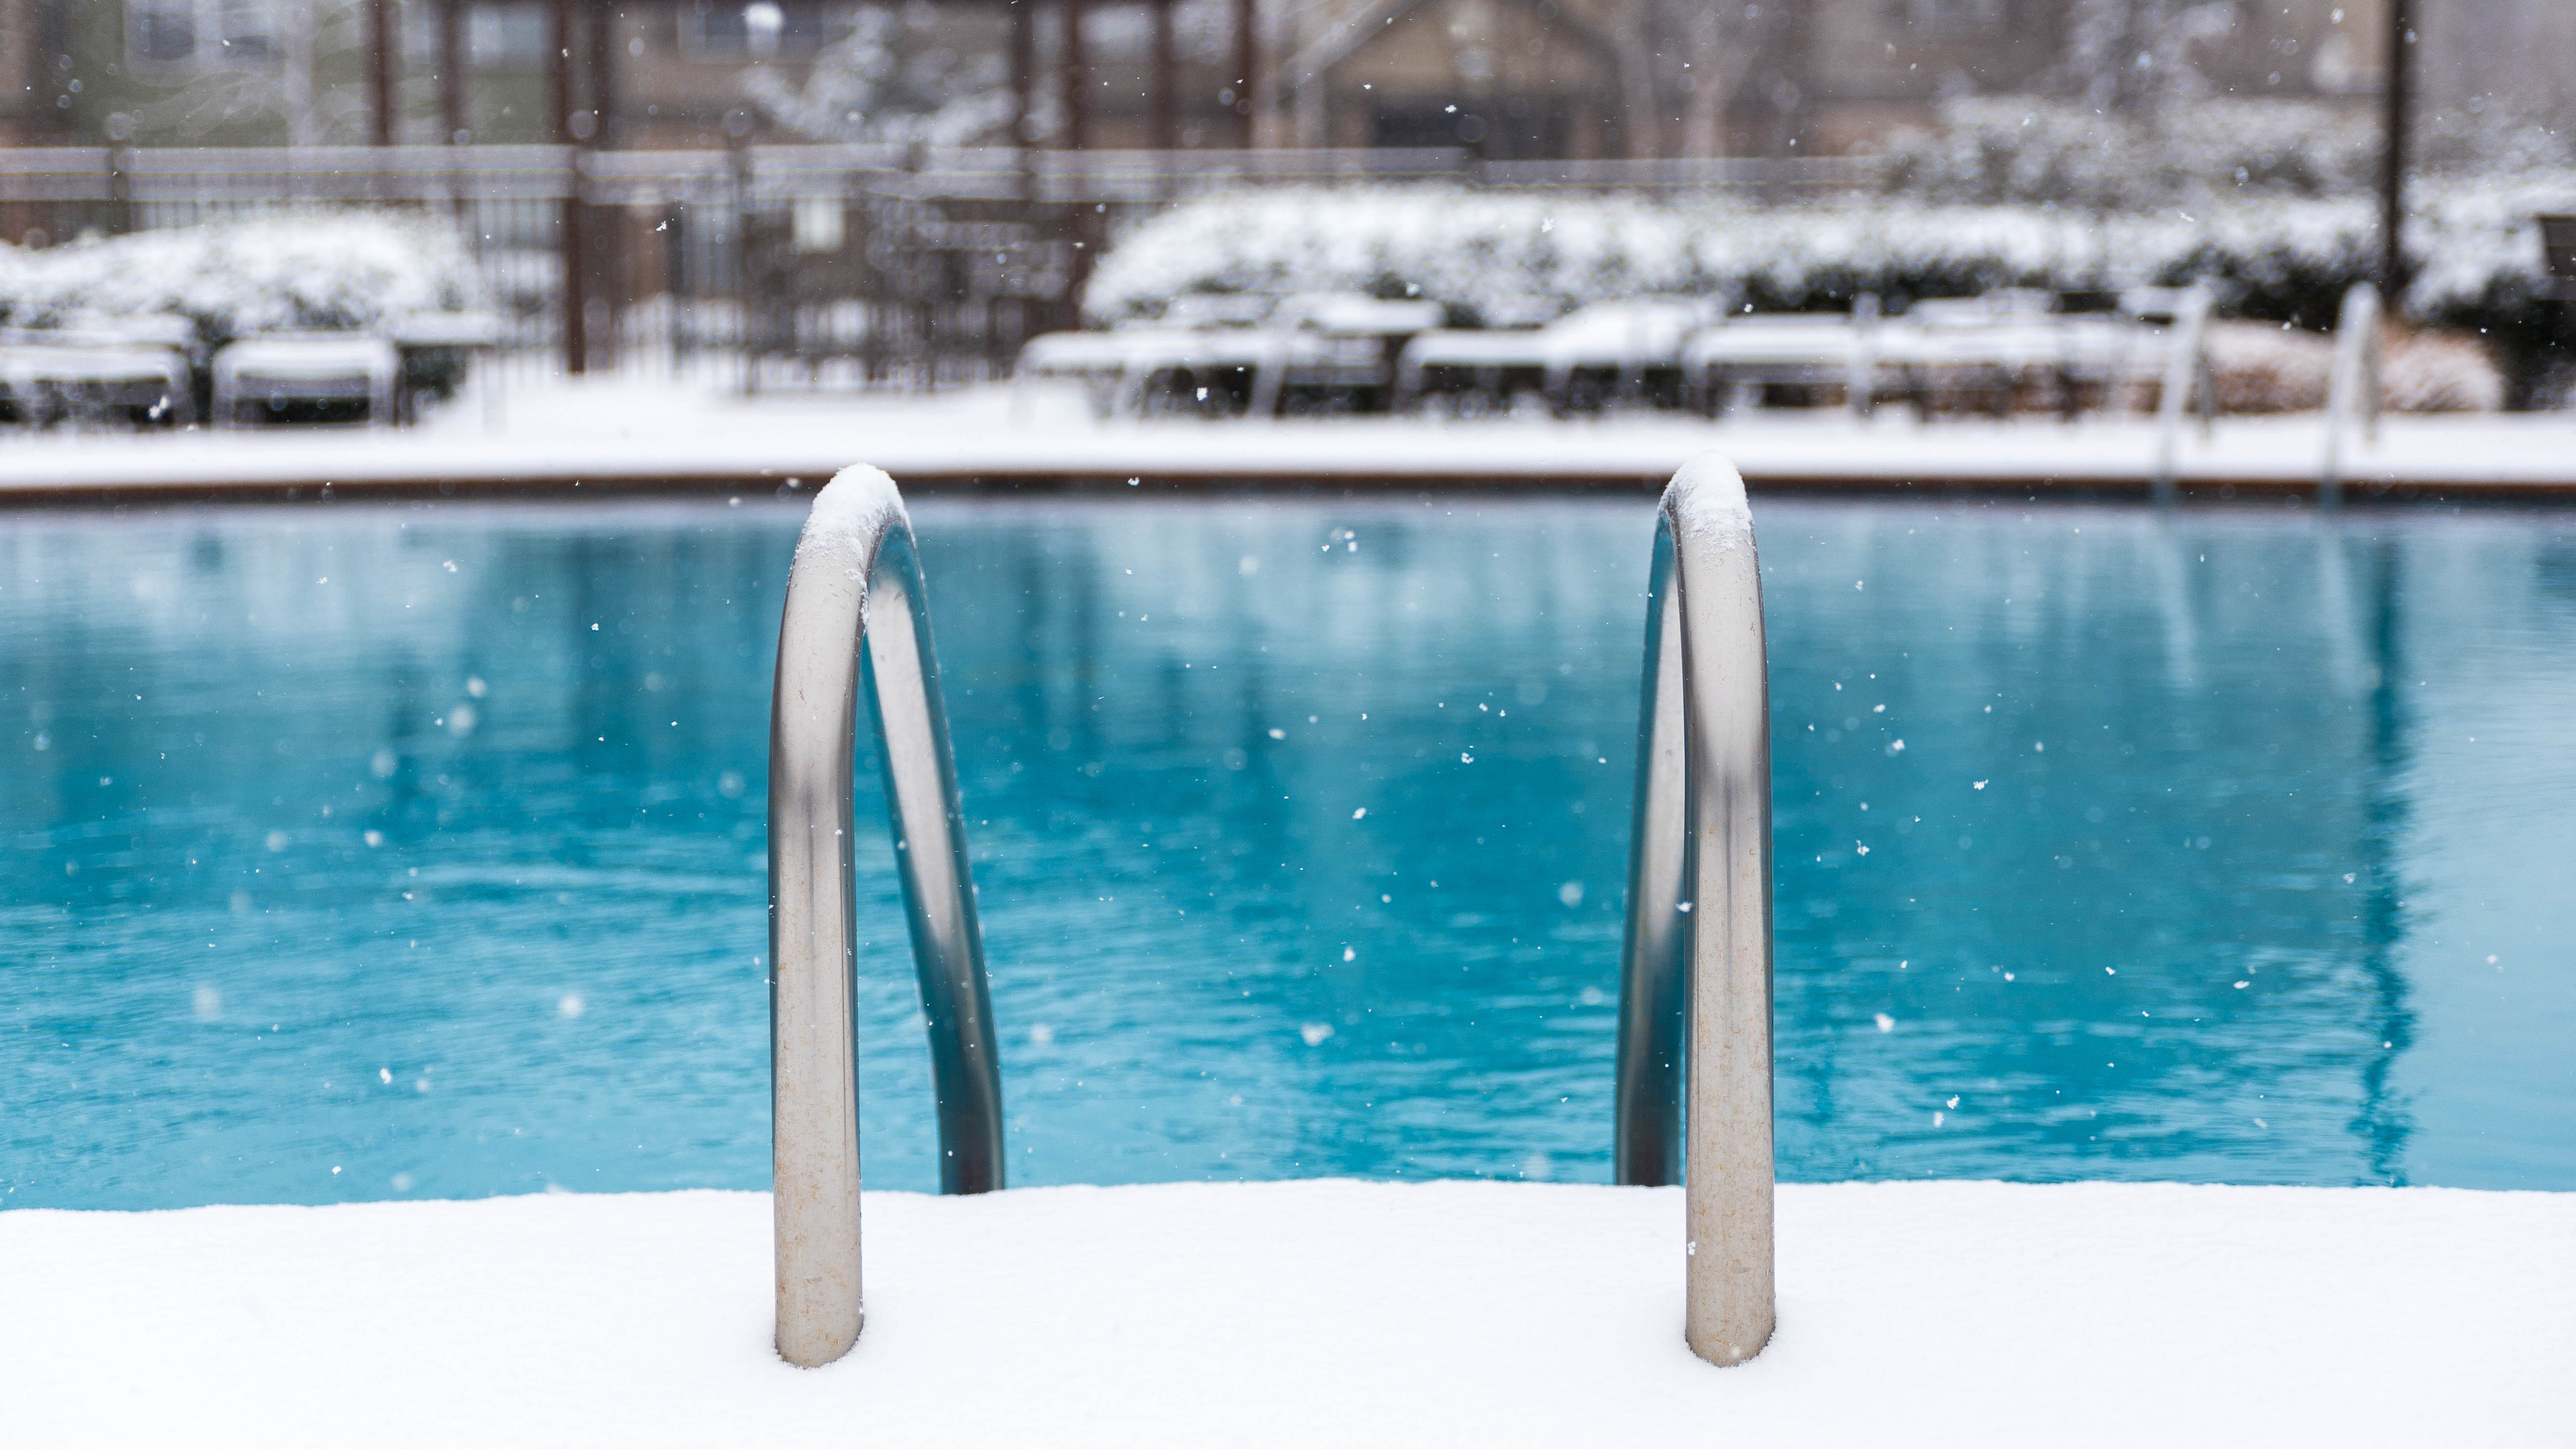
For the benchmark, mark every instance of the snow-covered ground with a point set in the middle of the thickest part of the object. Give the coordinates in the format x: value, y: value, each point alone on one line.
x: 614, y: 431
x: 1470, y: 1313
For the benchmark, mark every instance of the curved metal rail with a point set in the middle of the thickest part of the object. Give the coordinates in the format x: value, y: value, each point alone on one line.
x: 855, y: 608
x: 2187, y: 371
x: 2355, y: 384
x: 1697, y: 962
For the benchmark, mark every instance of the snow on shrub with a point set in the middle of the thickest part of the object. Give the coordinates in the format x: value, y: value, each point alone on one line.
x: 2274, y: 368
x: 2438, y: 372
x: 2019, y: 149
x: 1517, y: 255
x: 339, y: 270
x: 1496, y: 258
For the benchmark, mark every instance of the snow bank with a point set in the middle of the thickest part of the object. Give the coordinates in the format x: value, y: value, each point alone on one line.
x: 291, y: 271
x: 1311, y: 1313
x: 617, y: 432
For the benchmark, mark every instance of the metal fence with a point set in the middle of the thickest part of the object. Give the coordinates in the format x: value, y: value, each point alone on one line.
x: 770, y: 265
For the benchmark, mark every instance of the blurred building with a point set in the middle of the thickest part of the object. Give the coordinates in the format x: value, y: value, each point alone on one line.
x: 1506, y: 78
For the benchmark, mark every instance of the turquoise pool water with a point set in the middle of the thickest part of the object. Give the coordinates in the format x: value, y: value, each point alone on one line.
x: 362, y: 853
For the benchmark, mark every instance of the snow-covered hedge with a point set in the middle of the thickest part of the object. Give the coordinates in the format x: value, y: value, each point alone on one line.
x: 1496, y: 258
x: 2195, y: 152
x: 1998, y: 149
x: 325, y: 270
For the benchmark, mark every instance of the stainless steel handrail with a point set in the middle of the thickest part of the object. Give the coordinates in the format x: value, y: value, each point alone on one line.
x: 2187, y: 370
x: 2355, y: 383
x: 1699, y: 895
x: 855, y: 607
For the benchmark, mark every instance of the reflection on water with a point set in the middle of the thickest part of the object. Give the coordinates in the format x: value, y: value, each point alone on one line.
x: 425, y: 844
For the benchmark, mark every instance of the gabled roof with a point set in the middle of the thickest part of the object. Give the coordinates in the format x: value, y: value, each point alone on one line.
x: 1373, y: 18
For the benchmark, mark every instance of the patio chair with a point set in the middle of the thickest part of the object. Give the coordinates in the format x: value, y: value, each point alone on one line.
x: 430, y: 343
x: 97, y: 370
x: 307, y: 377
x: 1582, y: 361
x: 1743, y: 359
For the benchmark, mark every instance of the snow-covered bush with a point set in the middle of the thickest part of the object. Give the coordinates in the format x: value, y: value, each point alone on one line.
x: 2032, y: 149
x: 2272, y: 368
x: 2438, y: 372
x: 1497, y: 258
x: 2005, y: 149
x: 289, y: 272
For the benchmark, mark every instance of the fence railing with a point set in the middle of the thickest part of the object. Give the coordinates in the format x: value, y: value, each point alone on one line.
x: 763, y: 266
x: 768, y: 172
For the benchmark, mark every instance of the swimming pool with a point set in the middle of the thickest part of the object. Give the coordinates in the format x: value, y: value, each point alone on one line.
x: 369, y: 852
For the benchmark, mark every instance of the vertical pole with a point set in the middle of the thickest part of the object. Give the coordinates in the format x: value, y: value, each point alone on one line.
x: 454, y: 61
x: 601, y: 229
x: 1083, y: 221
x: 562, y: 101
x: 1024, y: 68
x: 1247, y: 64
x: 603, y: 75
x: 1166, y: 119
x: 2392, y: 159
x: 1077, y: 81
x: 382, y: 44
x: 1024, y: 95
x: 563, y: 91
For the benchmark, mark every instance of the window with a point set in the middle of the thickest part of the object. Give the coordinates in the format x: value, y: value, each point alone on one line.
x: 1946, y: 18
x: 505, y: 35
x: 159, y: 32
x: 188, y: 34
x: 733, y: 30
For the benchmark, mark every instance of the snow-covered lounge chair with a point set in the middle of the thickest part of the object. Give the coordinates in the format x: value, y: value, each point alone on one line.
x: 1770, y: 349
x: 1582, y: 360
x: 2001, y: 351
x: 319, y: 369
x: 1323, y: 345
x: 132, y: 370
x: 474, y: 335
x: 1115, y: 366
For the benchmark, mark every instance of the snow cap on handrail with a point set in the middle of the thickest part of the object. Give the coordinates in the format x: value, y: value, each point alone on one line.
x: 850, y: 515
x: 1706, y: 498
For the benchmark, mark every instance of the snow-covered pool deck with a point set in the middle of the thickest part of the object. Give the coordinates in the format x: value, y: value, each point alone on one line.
x: 1469, y: 1313
x: 609, y: 435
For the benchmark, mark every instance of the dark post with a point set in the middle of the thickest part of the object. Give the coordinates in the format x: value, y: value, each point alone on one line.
x: 602, y: 75
x: 453, y: 62
x: 1077, y: 81
x: 1247, y: 60
x: 2392, y: 160
x: 382, y: 44
x: 1024, y: 69
x: 604, y: 231
x: 563, y: 100
x: 1166, y: 81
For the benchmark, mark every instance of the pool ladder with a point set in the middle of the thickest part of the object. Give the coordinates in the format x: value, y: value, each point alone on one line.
x: 2354, y: 385
x: 1695, y: 969
x: 855, y: 611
